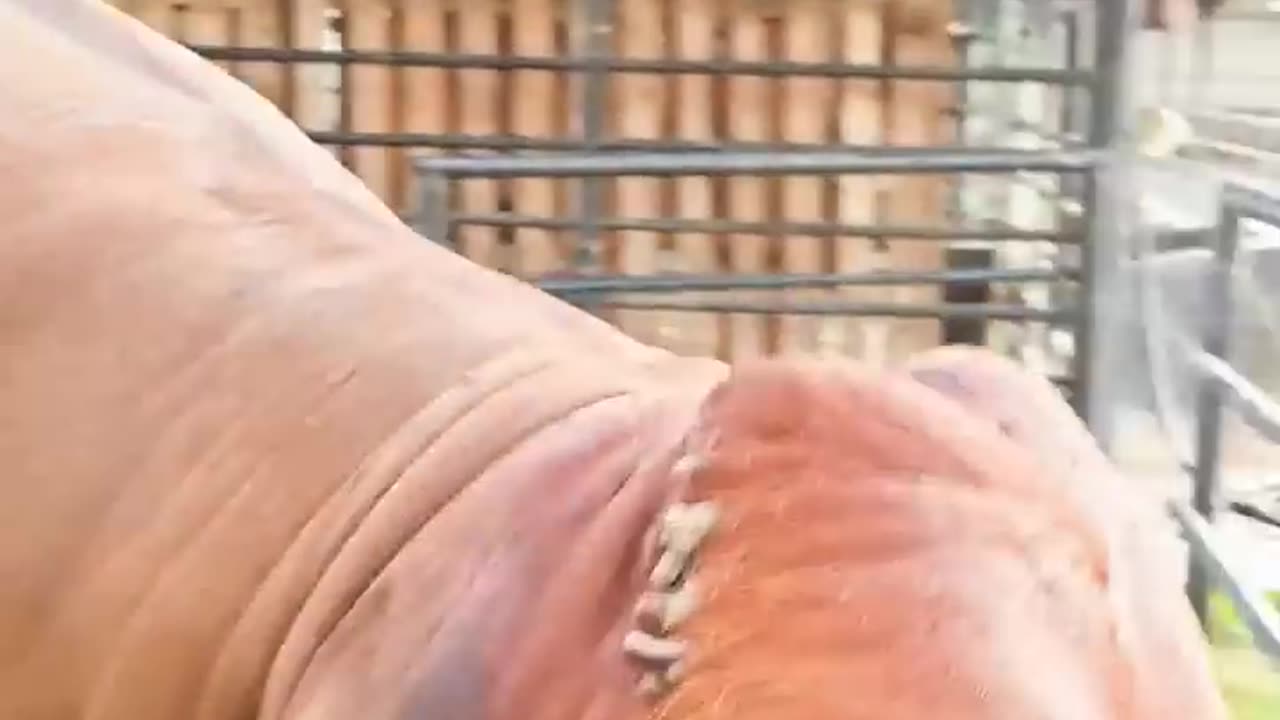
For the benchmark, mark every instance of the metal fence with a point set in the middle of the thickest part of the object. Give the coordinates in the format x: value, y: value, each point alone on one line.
x: 437, y: 173
x: 1096, y: 162
x: 1087, y: 146
x: 1221, y: 388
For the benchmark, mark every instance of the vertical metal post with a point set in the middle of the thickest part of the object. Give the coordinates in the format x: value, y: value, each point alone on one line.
x: 598, y: 18
x: 1069, y: 114
x: 1219, y: 312
x: 1107, y: 216
x: 1070, y: 122
x: 433, y: 221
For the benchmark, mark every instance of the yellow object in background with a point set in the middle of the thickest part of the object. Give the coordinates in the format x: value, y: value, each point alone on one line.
x: 1161, y: 132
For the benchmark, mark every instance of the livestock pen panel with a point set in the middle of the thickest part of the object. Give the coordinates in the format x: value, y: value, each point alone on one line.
x: 762, y: 262
x: 378, y: 79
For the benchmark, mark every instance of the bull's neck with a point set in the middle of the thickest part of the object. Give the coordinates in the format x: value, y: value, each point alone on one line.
x: 507, y: 544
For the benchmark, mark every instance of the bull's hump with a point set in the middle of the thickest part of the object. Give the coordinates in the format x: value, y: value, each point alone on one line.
x: 871, y: 559
x: 816, y: 545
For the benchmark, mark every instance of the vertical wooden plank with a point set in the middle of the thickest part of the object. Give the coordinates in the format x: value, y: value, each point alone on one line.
x: 695, y: 20
x: 368, y: 27
x: 533, y: 27
x: 159, y: 15
x: 861, y: 113
x: 804, y: 120
x: 425, y: 89
x: 312, y: 102
x: 748, y: 196
x: 207, y: 23
x: 128, y: 7
x: 262, y: 25
x: 479, y: 115
x: 564, y: 117
x: 639, y: 116
x: 914, y: 199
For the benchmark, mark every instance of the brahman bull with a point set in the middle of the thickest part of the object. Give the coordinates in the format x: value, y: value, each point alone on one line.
x: 268, y: 454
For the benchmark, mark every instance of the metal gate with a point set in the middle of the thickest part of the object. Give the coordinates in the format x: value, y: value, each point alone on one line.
x: 1071, y: 161
x: 1220, y: 387
x: 1080, y: 153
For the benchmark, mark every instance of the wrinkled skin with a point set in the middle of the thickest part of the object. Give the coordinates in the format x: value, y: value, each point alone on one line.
x: 267, y: 454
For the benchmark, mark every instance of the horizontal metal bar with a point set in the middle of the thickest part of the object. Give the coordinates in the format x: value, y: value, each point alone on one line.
x: 1252, y: 202
x: 658, y: 66
x: 1250, y: 602
x: 760, y: 164
x: 1256, y: 408
x: 852, y: 309
x: 813, y: 229
x: 705, y: 283
x: 1253, y: 512
x: 463, y: 141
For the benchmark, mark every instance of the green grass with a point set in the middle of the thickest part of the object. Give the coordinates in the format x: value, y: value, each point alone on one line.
x: 1250, y: 682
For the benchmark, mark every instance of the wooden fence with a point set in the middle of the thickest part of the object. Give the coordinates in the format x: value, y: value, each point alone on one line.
x: 543, y: 104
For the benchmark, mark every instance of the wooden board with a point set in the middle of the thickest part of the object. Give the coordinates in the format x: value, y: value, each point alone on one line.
x: 861, y: 123
x: 748, y: 197
x: 207, y: 23
x: 368, y: 89
x: 159, y: 15
x: 477, y: 100
x: 425, y: 90
x: 640, y: 99
x: 694, y: 22
x: 533, y: 25
x: 805, y: 114
x: 262, y: 24
x: 913, y: 116
x: 311, y: 100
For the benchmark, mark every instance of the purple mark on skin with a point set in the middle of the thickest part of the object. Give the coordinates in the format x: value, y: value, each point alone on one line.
x: 952, y: 386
